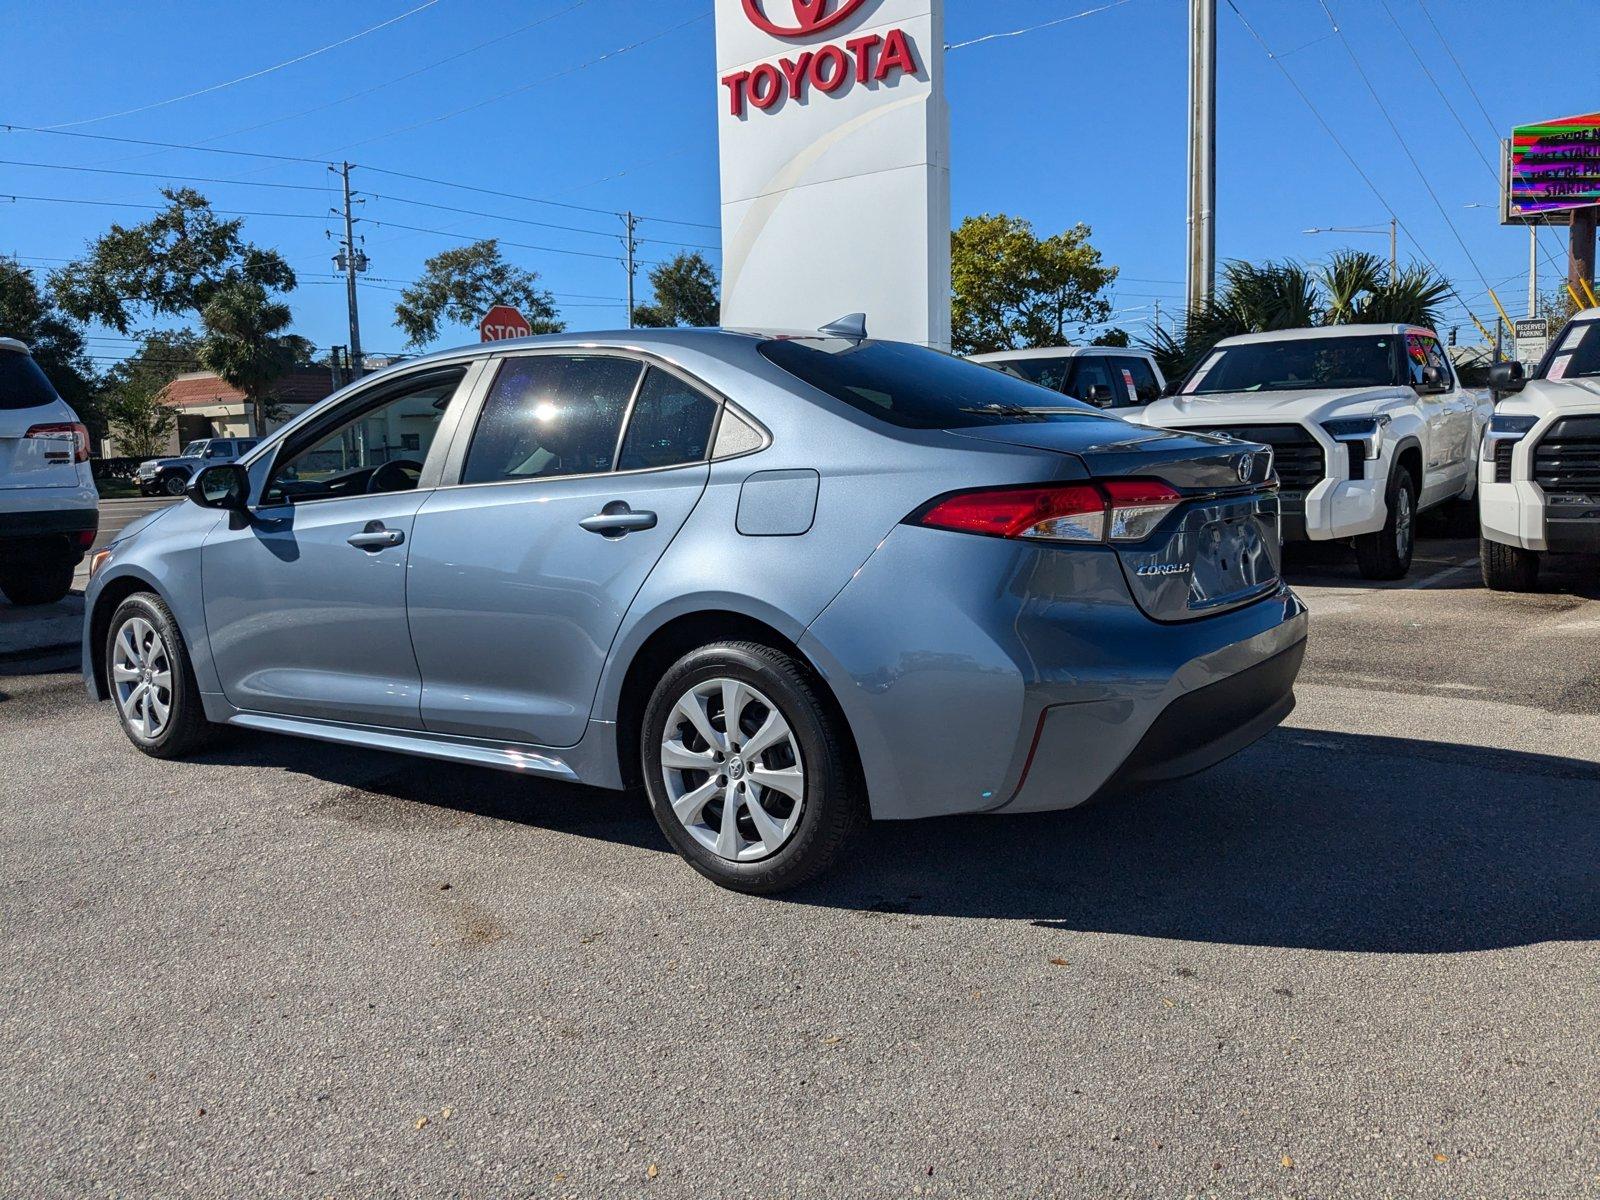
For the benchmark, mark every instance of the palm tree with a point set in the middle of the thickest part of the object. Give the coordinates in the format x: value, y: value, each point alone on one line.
x: 1351, y: 287
x: 245, y: 345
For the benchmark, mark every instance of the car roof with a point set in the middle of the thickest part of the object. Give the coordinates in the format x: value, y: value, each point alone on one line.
x: 1325, y: 331
x: 1054, y: 352
x: 14, y: 345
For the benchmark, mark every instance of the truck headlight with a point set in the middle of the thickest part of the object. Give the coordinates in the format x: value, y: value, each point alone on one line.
x: 1368, y: 431
x: 1504, y: 427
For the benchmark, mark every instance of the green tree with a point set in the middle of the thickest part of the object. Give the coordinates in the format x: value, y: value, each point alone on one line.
x: 1015, y: 290
x: 245, y: 344
x: 130, y: 391
x: 171, y: 265
x: 1112, y: 337
x: 29, y: 314
x: 1352, y: 287
x: 460, y: 285
x: 685, y: 290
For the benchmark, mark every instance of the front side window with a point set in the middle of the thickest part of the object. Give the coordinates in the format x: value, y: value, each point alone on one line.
x: 219, y: 450
x: 1573, y: 355
x: 380, y: 448
x: 1137, y: 380
x: 550, y: 415
x: 1091, y: 382
x: 914, y: 387
x: 1296, y: 364
x: 670, y: 424
x: 1421, y: 353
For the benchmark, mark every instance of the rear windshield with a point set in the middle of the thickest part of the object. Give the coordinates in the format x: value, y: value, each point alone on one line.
x: 22, y: 383
x: 1573, y: 355
x: 1297, y: 364
x: 917, y: 388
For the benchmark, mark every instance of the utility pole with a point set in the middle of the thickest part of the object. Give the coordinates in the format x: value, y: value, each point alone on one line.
x: 1158, y: 316
x: 1580, y: 264
x: 1202, y: 150
x: 1394, y: 249
x: 632, y: 243
x: 1533, y: 271
x: 350, y: 260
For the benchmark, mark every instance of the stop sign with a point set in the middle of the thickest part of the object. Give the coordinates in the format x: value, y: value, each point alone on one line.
x: 501, y: 322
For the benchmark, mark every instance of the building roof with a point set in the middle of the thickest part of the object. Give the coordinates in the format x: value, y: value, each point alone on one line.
x: 302, y: 385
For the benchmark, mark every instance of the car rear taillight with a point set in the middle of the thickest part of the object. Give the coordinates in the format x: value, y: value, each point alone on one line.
x: 77, y: 435
x: 1121, y: 510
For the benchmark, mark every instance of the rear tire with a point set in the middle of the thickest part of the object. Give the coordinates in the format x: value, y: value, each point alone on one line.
x: 787, y: 758
x: 151, y: 681
x: 1508, y: 568
x: 1387, y: 553
x: 27, y: 586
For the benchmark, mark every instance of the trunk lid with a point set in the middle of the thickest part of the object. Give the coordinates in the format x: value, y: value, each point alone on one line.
x: 1218, y: 550
x: 28, y: 400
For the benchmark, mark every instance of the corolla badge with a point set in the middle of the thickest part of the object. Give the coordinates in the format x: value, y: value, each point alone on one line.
x: 1156, y: 570
x: 810, y: 16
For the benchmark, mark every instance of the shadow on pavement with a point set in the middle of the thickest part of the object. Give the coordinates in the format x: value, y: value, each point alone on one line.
x: 1314, y: 840
x: 1324, y: 841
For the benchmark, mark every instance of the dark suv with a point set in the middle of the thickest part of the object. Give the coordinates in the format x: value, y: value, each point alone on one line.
x: 169, y: 476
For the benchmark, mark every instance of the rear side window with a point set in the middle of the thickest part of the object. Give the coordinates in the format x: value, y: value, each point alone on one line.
x: 22, y: 383
x: 913, y: 387
x: 670, y: 424
x: 550, y: 415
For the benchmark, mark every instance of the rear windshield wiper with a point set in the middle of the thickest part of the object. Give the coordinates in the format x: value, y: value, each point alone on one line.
x: 1005, y: 410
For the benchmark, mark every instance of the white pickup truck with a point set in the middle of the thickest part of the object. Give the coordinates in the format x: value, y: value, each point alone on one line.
x: 1539, y: 481
x: 1369, y: 426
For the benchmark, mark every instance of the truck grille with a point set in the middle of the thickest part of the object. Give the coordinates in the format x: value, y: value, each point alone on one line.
x: 1567, y: 458
x: 1295, y: 452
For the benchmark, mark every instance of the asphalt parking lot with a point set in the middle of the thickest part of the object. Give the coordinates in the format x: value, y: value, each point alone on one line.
x: 1358, y: 959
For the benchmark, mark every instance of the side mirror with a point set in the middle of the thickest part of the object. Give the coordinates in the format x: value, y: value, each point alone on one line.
x: 221, y: 485
x: 1507, y: 377
x: 1434, y: 380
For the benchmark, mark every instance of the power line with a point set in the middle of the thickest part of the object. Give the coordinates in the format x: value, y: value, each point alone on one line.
x: 295, y: 187
x: 226, y: 212
x: 467, y: 237
x: 106, y: 137
x: 1339, y: 142
x: 378, y: 87
x: 523, y: 220
x: 992, y: 37
x: 217, y: 87
x: 495, y: 99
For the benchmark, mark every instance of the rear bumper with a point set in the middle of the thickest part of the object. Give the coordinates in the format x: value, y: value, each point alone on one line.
x: 36, y: 525
x: 982, y: 675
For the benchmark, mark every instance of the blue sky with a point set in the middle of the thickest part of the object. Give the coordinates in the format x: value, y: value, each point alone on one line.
x: 1080, y: 122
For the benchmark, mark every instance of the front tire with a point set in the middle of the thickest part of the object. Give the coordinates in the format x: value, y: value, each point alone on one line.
x: 1508, y: 568
x: 151, y: 681
x: 28, y: 586
x: 760, y: 801
x: 174, y: 485
x: 1387, y: 554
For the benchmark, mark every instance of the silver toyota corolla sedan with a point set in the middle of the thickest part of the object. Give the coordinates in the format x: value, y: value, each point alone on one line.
x: 786, y: 582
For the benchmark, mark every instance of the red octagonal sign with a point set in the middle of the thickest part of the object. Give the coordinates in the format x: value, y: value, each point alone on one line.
x: 501, y: 322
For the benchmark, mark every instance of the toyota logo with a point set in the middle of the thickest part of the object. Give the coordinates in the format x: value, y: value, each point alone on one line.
x: 1246, y: 467
x: 810, y: 16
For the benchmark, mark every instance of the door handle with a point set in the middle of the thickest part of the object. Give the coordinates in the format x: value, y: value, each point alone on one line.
x: 617, y: 519
x: 376, y: 537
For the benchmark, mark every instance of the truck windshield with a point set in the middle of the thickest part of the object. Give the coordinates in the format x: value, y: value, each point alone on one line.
x: 193, y: 450
x: 917, y: 388
x: 1298, y: 364
x: 1575, y: 354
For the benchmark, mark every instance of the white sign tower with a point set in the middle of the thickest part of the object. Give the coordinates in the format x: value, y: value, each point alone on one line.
x: 835, y: 149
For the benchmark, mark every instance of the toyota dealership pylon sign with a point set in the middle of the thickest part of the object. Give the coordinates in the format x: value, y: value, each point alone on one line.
x: 834, y: 138
x: 501, y: 322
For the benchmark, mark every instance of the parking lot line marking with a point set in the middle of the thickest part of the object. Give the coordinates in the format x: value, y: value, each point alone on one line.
x: 1438, y: 576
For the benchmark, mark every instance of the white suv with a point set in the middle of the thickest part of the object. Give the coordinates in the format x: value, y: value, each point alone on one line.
x: 1539, y: 481
x: 1369, y: 425
x: 48, y: 502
